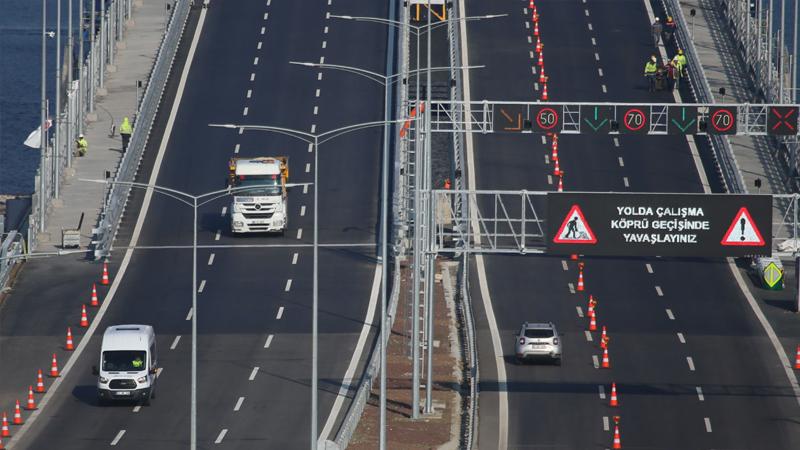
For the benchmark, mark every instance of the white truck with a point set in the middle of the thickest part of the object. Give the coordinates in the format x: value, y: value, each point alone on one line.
x: 262, y: 209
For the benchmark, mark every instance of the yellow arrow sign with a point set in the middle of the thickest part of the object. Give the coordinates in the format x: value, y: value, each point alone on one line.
x: 772, y: 275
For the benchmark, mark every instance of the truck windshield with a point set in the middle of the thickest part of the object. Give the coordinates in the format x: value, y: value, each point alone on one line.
x: 270, y: 184
x: 124, y: 361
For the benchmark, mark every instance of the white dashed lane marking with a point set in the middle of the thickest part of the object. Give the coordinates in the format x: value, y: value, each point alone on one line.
x: 258, y: 47
x: 288, y: 285
x: 322, y: 60
x: 700, y: 395
x: 218, y: 235
x: 302, y: 210
x: 316, y: 95
x: 137, y: 408
x: 690, y: 362
x: 201, y: 287
x: 238, y: 404
x: 255, y: 61
x: 294, y: 258
x: 605, y: 89
x: 325, y: 30
x: 252, y: 76
x: 175, y: 342
x: 308, y: 167
x: 596, y: 362
x: 319, y: 76
x: 324, y: 44
x: 189, y: 315
x: 280, y: 313
x: 564, y: 265
x: 602, y: 391
x: 263, y: 30
x: 544, y: 140
x: 221, y: 436
x: 299, y: 233
x: 621, y: 162
x: 118, y: 437
x: 597, y: 56
x: 594, y: 41
x: 681, y: 338
x: 571, y: 288
x: 659, y: 291
x: 253, y: 374
x: 236, y: 149
x: 670, y: 315
x: 616, y: 142
x: 605, y: 423
x: 708, y: 424
x: 268, y: 342
x: 600, y: 71
x: 626, y: 182
x: 316, y: 110
x: 211, y: 259
x: 305, y: 189
x: 586, y: 11
x: 590, y: 27
x: 245, y: 111
x: 224, y: 211
x: 313, y: 128
x: 649, y: 268
x: 579, y: 311
x: 266, y: 16
x: 249, y: 93
x: 588, y: 335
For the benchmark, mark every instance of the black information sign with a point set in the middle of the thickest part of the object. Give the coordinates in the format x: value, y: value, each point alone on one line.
x: 682, y: 120
x: 782, y: 120
x: 510, y: 118
x: 546, y: 118
x: 697, y: 225
x: 721, y: 120
x: 596, y: 118
x: 633, y: 119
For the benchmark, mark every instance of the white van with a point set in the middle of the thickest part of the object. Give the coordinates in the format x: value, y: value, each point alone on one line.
x: 128, y: 364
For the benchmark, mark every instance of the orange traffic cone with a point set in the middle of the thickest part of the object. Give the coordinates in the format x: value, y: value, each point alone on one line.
x: 580, y: 277
x: 603, y: 339
x: 95, y: 301
x: 606, y: 363
x: 592, y: 321
x: 84, y: 319
x: 69, y: 346
x: 561, y: 182
x: 40, y: 382
x: 17, y: 415
x: 535, y: 16
x: 556, y: 168
x: 54, y: 368
x: 617, y: 442
x: 5, y: 432
x: 573, y: 257
x: 614, y: 401
x: 531, y: 5
x: 592, y: 303
x: 536, y: 29
x: 542, y: 77
x: 104, y: 281
x: 538, y: 45
x: 31, y: 402
x: 541, y: 58
x: 797, y: 358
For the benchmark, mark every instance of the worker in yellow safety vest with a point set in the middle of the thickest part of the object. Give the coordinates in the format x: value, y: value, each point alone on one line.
x: 81, y: 146
x: 125, y: 131
x: 650, y: 69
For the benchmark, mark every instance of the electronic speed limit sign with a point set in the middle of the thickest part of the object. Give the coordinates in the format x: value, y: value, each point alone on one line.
x: 634, y: 120
x: 546, y: 119
x: 721, y: 120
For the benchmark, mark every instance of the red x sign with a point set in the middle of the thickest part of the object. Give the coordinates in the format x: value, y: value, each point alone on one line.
x: 782, y: 120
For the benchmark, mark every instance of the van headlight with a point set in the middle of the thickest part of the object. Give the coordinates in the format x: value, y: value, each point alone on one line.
x: 103, y: 380
x: 278, y: 217
x: 141, y: 380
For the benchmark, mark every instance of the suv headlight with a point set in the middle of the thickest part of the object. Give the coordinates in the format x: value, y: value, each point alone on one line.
x: 555, y: 341
x: 103, y: 380
x: 236, y: 207
x: 141, y: 380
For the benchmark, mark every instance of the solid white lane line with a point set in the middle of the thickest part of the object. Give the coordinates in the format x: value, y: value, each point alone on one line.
x: 670, y: 315
x: 294, y: 258
x: 649, y: 268
x: 564, y: 265
x: 218, y: 235
x: 175, y: 342
x: 700, y: 394
x: 245, y: 111
x: 253, y: 76
x: 201, y: 287
x: 659, y: 291
x: 299, y: 233
x: 601, y: 389
x: 708, y: 424
x: 347, y: 380
x: 268, y: 342
x: 238, y: 404
x: 280, y: 313
x: 626, y: 182
x: 118, y: 437
x: 249, y: 93
x: 605, y: 423
x: 616, y: 142
x: 302, y: 210
x: 255, y: 61
x: 324, y: 44
x: 288, y: 285
x: 690, y: 361
x: 621, y: 162
x: 224, y: 211
x: 588, y: 335
x: 221, y: 436
x: 236, y: 149
x: 189, y: 314
x: 211, y: 259
x: 253, y: 374
x: 681, y: 338
x: 579, y: 310
x: 137, y: 408
x: 595, y: 362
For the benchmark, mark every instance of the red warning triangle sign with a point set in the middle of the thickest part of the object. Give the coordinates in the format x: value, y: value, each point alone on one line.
x: 743, y: 231
x: 575, y: 229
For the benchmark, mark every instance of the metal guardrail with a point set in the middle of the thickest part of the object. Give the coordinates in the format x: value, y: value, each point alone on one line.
x: 702, y: 91
x: 116, y: 197
x: 11, y: 250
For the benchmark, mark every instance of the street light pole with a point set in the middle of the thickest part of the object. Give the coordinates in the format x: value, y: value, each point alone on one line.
x: 43, y: 135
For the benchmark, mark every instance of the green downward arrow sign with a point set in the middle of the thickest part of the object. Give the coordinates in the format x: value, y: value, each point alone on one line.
x: 596, y: 125
x: 683, y: 125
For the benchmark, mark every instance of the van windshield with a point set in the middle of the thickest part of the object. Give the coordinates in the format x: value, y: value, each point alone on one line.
x: 267, y: 184
x: 124, y: 361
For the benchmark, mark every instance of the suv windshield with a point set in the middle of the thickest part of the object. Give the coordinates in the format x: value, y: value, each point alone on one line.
x: 124, y: 361
x: 272, y: 182
x: 538, y: 333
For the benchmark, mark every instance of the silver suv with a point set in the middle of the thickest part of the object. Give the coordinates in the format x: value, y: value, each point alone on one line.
x: 538, y: 340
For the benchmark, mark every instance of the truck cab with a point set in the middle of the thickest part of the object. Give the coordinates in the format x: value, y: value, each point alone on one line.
x: 128, y: 364
x: 261, y: 209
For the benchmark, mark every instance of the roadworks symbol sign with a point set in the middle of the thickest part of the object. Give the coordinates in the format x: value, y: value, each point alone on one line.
x: 743, y: 231
x: 575, y: 229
